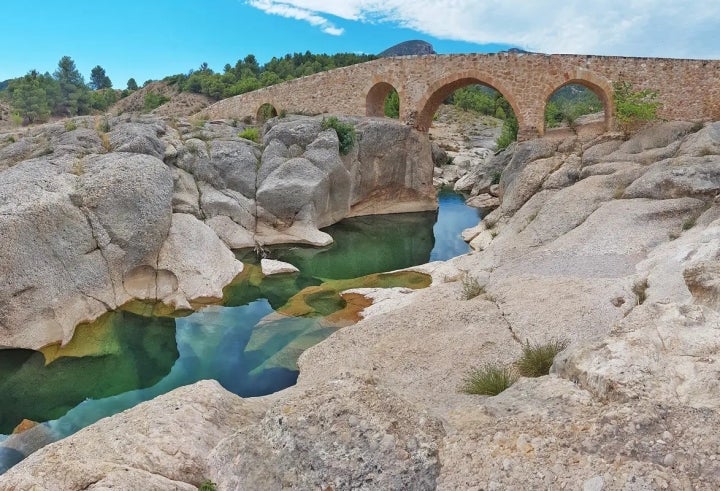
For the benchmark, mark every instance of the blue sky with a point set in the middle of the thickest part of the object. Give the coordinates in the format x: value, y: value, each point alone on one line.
x: 148, y: 39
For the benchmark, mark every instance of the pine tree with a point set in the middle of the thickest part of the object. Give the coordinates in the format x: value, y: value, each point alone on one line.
x: 73, y: 91
x: 98, y: 79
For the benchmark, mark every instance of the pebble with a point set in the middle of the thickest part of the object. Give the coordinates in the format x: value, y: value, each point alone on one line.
x: 596, y: 483
x: 669, y: 460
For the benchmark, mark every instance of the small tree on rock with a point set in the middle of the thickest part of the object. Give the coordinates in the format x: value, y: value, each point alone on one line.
x: 132, y: 84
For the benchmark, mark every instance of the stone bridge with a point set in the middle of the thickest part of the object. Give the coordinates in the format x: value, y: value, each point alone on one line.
x: 688, y: 89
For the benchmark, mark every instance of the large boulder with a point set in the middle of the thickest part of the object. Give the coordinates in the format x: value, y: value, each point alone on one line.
x: 346, y: 434
x: 162, y: 444
x: 69, y: 239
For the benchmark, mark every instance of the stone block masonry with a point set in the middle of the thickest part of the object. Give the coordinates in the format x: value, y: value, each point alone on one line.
x: 688, y: 89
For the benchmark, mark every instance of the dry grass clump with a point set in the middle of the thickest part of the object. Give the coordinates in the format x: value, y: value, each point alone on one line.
x: 536, y: 359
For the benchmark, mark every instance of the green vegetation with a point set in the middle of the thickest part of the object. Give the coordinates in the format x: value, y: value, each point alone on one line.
x: 98, y: 79
x: 70, y: 125
x: 471, y: 288
x: 102, y: 99
x: 569, y: 103
x: 689, y: 223
x: 488, y: 101
x: 488, y: 380
x: 250, y: 133
x: 154, y: 100
x: 248, y: 75
x: 633, y: 108
x: 35, y: 97
x: 266, y: 112
x: 345, y: 133
x: 536, y: 359
x: 392, y: 105
x: 207, y: 485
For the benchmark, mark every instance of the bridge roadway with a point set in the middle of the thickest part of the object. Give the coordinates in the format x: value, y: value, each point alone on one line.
x: 688, y: 89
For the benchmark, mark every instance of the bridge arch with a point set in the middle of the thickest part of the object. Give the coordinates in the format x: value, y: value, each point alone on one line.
x: 265, y: 112
x: 599, y: 86
x: 375, y: 99
x: 442, y: 88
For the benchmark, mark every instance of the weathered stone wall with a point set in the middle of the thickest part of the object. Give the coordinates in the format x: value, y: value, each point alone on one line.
x: 688, y: 89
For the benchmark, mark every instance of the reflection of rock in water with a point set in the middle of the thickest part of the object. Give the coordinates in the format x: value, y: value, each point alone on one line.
x: 8, y: 458
x: 127, y: 352
x: 366, y: 245
x: 27, y: 438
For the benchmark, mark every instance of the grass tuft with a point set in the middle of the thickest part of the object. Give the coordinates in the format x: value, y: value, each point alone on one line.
x: 471, y: 288
x: 536, y: 359
x: 488, y: 380
x: 251, y: 134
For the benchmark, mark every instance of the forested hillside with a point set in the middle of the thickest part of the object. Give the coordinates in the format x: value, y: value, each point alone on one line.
x: 37, y: 96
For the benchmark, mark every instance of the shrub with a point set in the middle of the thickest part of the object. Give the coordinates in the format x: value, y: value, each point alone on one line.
x: 102, y: 125
x: 536, y: 359
x: 345, y: 133
x: 70, y: 125
x: 154, y: 100
x: 688, y: 224
x: 391, y: 107
x: 105, y: 140
x: 489, y: 380
x: 633, y: 108
x: 496, y: 175
x: 508, y: 134
x: 471, y: 288
x: 250, y: 134
x: 640, y: 291
x: 207, y: 485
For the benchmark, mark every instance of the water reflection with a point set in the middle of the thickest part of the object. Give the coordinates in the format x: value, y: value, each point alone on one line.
x: 140, y: 358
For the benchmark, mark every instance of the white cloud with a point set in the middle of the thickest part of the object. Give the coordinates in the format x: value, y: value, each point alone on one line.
x: 674, y: 28
x: 287, y: 9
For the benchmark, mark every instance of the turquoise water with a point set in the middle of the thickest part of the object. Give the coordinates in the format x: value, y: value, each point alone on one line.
x: 236, y: 343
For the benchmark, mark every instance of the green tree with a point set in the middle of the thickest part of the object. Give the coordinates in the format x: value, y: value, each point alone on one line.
x: 73, y: 91
x: 132, y: 84
x: 98, y: 79
x: 29, y: 97
x: 102, y: 99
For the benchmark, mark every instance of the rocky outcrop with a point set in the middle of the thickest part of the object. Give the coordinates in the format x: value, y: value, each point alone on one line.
x: 629, y: 280
x: 137, y: 208
x: 162, y: 445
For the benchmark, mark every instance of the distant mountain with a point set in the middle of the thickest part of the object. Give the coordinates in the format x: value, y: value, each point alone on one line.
x: 408, y: 48
x: 516, y: 51
x: 4, y: 84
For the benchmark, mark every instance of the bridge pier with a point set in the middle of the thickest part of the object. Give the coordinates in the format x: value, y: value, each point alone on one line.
x: 528, y: 133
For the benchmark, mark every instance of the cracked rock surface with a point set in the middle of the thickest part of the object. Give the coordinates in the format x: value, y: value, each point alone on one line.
x: 611, y: 245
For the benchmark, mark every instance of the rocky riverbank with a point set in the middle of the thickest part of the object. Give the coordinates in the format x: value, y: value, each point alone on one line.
x: 609, y: 244
x: 97, y: 212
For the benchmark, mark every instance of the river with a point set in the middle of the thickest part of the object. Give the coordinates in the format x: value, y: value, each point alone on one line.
x: 243, y: 343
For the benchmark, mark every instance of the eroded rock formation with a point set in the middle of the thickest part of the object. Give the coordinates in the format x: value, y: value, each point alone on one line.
x: 97, y: 212
x: 607, y: 243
